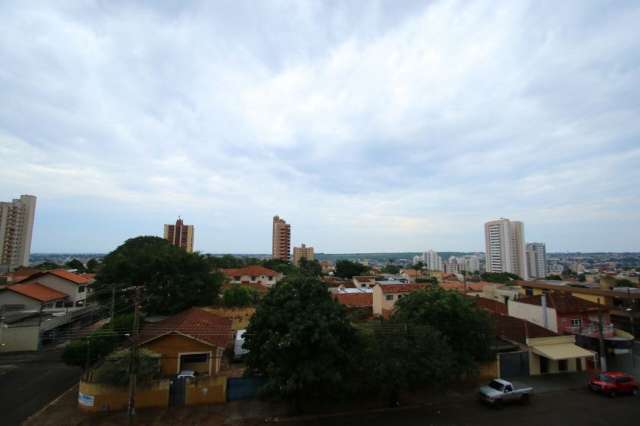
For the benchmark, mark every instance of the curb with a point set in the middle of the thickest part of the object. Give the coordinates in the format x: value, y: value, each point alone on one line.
x: 40, y: 411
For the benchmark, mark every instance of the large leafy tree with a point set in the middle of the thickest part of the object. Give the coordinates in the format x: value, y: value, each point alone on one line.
x: 75, y: 264
x: 310, y: 267
x: 301, y: 341
x: 401, y: 356
x: 464, y: 327
x: 173, y: 279
x: 239, y: 296
x: 347, y: 268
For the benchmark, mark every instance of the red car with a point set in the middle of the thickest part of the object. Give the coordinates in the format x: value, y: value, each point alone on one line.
x: 614, y: 383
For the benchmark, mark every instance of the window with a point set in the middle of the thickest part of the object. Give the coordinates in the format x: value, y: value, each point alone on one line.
x: 59, y: 304
x: 562, y: 365
x: 236, y: 278
x: 253, y: 278
x: 194, y: 358
x: 81, y: 289
x: 389, y: 297
x: 576, y: 322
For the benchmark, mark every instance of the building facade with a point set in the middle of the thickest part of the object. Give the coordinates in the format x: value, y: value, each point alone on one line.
x: 505, y: 247
x: 431, y: 259
x: 281, y: 239
x: 536, y: 260
x: 302, y: 251
x: 180, y: 235
x: 16, y: 229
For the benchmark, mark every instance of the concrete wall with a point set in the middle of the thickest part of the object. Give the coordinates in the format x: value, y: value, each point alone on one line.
x: 533, y: 313
x: 380, y: 302
x: 207, y: 390
x: 94, y: 397
x: 172, y: 345
x: 20, y: 338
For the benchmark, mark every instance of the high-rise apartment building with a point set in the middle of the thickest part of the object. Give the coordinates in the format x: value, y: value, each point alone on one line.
x: 180, y: 235
x: 432, y: 261
x: 505, y: 247
x: 302, y: 251
x: 16, y: 229
x: 281, y: 239
x: 537, y: 260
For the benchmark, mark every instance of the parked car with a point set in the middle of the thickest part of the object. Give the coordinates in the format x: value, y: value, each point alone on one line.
x: 187, y: 374
x: 614, y: 383
x: 499, y: 391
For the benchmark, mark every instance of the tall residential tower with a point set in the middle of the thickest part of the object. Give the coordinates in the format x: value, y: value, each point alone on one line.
x: 537, y: 260
x: 281, y: 239
x: 505, y: 248
x: 180, y: 235
x: 16, y: 228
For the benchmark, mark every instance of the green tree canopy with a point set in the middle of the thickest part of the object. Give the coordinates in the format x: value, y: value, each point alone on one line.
x: 310, y: 267
x: 93, y: 265
x: 390, y: 268
x: 239, y: 296
x: 75, y: 264
x: 301, y: 340
x: 47, y: 265
x: 464, y: 327
x: 553, y: 277
x: 400, y: 356
x: 225, y: 261
x: 173, y: 279
x: 499, y: 277
x: 349, y: 269
x: 115, y: 368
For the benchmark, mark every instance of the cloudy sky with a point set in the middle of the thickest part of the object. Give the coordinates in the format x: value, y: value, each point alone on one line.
x: 369, y: 126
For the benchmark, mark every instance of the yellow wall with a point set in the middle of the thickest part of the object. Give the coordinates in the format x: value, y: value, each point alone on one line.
x: 488, y: 370
x: 114, y: 398
x: 591, y: 298
x: 208, y: 390
x: 170, y: 347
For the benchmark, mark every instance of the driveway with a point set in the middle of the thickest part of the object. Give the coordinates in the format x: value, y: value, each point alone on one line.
x: 30, y: 380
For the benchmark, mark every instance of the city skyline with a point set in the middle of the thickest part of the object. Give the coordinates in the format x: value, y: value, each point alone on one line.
x: 380, y: 129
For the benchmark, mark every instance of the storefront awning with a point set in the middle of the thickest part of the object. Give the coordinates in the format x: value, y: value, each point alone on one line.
x: 562, y: 351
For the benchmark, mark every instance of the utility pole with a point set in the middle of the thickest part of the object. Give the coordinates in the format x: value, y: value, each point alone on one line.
x: 603, y: 355
x: 133, y: 360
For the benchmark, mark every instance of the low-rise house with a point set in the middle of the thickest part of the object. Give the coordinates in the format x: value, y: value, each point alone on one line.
x: 543, y: 351
x: 500, y: 292
x: 31, y: 297
x: 385, y: 296
x: 355, y: 300
x: 75, y: 286
x: 368, y: 281
x: 254, y: 274
x: 191, y: 340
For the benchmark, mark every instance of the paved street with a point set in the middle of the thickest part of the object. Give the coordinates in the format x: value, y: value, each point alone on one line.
x: 561, y: 408
x: 29, y: 381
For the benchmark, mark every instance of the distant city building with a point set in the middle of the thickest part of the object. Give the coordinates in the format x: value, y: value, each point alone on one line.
x: 180, y: 235
x: 16, y: 229
x: 281, y: 239
x: 471, y: 263
x: 505, y: 247
x: 302, y: 251
x: 536, y: 260
x: 432, y: 261
x: 454, y: 265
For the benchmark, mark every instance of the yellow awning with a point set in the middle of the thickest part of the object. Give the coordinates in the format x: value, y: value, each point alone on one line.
x: 562, y: 351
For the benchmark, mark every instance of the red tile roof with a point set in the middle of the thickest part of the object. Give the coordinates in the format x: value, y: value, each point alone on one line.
x: 37, y: 291
x: 364, y: 278
x: 195, y: 323
x: 402, y: 288
x: 253, y: 270
x: 491, y: 305
x: 564, y: 303
x: 457, y: 285
x: 519, y: 330
x: 61, y: 273
x: 355, y: 300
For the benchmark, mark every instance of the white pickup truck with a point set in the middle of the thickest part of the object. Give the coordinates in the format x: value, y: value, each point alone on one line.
x: 499, y: 391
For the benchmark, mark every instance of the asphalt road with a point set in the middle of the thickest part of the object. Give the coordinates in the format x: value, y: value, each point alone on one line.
x: 561, y: 408
x: 29, y: 381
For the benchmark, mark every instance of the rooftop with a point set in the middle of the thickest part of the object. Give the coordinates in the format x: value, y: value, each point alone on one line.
x: 194, y: 322
x: 355, y: 300
x: 37, y: 291
x: 252, y: 270
x: 402, y: 288
x: 563, y: 303
x: 61, y: 273
x: 518, y: 330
